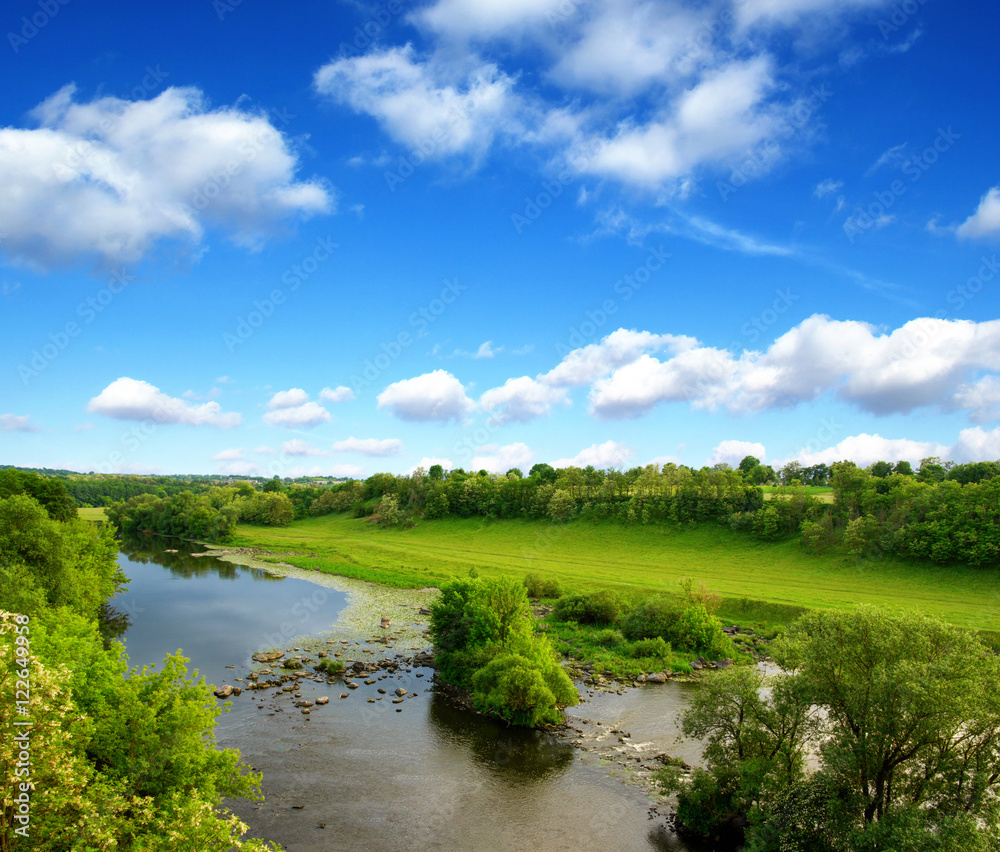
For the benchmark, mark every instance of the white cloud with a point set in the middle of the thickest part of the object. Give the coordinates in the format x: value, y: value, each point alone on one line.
x: 865, y: 449
x: 288, y: 399
x: 486, y: 18
x: 264, y: 451
x: 717, y: 120
x: 826, y: 187
x: 338, y: 394
x: 584, y: 365
x: 298, y: 447
x: 235, y: 454
x: 17, y: 423
x: 497, y: 459
x: 522, y: 399
x: 369, y: 446
x: 346, y: 471
x: 427, y: 462
x: 132, y: 399
x: 421, y: 105
x: 917, y: 365
x: 601, y: 456
x: 308, y: 415
x: 625, y: 46
x: 985, y: 222
x: 976, y: 444
x: 433, y: 396
x: 733, y: 452
x: 112, y: 177
x: 894, y: 156
x: 981, y: 398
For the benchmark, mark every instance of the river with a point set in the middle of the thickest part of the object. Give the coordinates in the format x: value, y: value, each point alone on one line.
x: 368, y: 775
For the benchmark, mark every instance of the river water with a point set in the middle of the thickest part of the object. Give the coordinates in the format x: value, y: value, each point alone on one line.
x: 356, y: 774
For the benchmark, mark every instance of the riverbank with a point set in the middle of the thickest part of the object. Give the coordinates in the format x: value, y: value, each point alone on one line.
x: 762, y: 584
x: 378, y: 656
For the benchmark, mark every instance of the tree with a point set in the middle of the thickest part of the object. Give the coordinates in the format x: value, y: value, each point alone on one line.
x: 749, y: 463
x: 931, y: 470
x: 272, y: 485
x: 903, y: 716
x: 435, y: 473
x: 881, y: 469
x: 903, y: 468
x: 543, y: 472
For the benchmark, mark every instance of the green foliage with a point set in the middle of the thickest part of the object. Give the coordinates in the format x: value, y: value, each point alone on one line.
x: 685, y: 622
x: 482, y: 632
x: 656, y: 647
x: 561, y: 506
x: 601, y: 607
x: 119, y: 760
x: 609, y: 638
x: 904, y: 717
x: 49, y: 492
x: 329, y: 667
x: 388, y: 511
x: 538, y: 586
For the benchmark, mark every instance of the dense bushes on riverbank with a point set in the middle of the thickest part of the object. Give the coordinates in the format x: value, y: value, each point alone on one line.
x: 900, y: 717
x: 484, y: 642
x: 111, y: 758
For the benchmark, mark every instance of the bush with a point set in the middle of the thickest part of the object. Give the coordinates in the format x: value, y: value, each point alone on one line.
x: 538, y: 586
x: 657, y: 647
x: 330, y: 667
x: 690, y: 626
x: 609, y: 638
x: 594, y: 608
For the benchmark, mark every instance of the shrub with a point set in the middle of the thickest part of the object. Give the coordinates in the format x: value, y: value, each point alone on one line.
x: 656, y: 647
x: 330, y: 667
x: 690, y: 626
x: 650, y: 618
x: 609, y: 637
x: 538, y: 586
x: 594, y: 608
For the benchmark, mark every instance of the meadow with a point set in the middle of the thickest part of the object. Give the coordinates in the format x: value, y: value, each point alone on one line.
x: 760, y: 583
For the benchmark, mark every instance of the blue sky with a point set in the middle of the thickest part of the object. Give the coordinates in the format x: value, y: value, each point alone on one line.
x: 358, y: 237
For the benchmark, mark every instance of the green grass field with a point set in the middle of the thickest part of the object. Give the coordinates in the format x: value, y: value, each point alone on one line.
x: 89, y: 513
x: 759, y: 582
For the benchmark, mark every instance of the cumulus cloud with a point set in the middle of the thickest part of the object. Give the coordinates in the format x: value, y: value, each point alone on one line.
x: 420, y: 104
x: 307, y: 415
x: 17, y: 423
x: 865, y: 449
x: 584, y: 365
x: 132, y: 399
x: 337, y: 394
x: 917, y: 365
x: 240, y: 468
x: 522, y: 399
x: 976, y: 444
x: 235, y: 454
x: 288, y: 399
x: 472, y: 18
x: 985, y: 222
x: 733, y: 452
x: 433, y: 396
x: 497, y: 459
x: 369, y: 446
x: 601, y: 456
x: 298, y: 447
x: 111, y: 177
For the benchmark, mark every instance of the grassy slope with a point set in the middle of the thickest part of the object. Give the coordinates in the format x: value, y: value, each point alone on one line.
x: 641, y: 559
x: 92, y: 514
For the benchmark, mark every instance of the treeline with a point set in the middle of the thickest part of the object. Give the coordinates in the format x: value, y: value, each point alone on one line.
x: 211, y: 516
x: 112, y: 758
x: 954, y: 520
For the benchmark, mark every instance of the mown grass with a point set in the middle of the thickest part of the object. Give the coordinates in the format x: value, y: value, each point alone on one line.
x: 92, y: 513
x: 760, y: 583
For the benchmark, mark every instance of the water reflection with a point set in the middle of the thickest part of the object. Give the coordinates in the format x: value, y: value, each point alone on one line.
x: 153, y: 550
